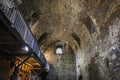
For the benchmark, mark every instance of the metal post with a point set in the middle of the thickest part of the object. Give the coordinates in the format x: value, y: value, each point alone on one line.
x: 14, y: 76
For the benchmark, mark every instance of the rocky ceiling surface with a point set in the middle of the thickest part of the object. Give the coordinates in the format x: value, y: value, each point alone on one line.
x: 58, y: 19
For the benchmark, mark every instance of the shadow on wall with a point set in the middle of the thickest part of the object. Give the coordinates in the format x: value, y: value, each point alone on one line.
x: 52, y: 74
x: 94, y: 70
x: 80, y: 77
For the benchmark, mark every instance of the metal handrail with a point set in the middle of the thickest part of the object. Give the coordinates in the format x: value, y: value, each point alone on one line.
x: 14, y: 16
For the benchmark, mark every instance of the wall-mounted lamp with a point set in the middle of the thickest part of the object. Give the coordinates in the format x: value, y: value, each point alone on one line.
x: 25, y: 48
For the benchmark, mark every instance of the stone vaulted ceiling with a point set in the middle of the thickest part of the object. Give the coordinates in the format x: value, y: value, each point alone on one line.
x: 59, y: 19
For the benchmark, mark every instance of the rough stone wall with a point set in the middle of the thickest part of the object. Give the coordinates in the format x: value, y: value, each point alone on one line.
x: 102, y: 62
x: 107, y: 53
x: 99, y: 60
x: 62, y: 67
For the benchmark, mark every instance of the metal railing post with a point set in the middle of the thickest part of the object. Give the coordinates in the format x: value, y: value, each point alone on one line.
x: 14, y: 76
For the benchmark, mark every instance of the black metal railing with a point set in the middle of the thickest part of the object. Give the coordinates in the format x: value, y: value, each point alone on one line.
x: 14, y: 16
